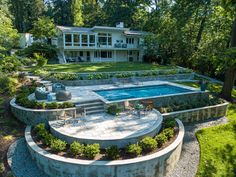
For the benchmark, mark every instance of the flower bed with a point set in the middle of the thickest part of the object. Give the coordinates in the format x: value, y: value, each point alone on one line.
x: 157, y: 163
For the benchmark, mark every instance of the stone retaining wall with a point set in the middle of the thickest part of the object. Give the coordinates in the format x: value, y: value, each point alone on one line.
x: 197, y: 114
x: 154, y: 165
x: 36, y: 116
x: 125, y: 80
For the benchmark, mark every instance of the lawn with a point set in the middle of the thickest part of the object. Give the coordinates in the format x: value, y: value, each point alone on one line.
x: 217, y: 144
x: 103, y: 67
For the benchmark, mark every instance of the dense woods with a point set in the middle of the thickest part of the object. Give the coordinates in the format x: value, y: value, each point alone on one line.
x: 194, y: 34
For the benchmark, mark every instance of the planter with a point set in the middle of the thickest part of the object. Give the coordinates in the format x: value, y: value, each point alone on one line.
x: 199, y: 114
x: 124, y: 80
x: 36, y: 116
x: 157, y: 164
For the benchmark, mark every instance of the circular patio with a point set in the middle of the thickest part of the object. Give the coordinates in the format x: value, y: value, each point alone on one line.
x: 108, y: 130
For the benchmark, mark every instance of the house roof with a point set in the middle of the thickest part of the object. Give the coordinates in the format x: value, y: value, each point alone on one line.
x: 126, y: 31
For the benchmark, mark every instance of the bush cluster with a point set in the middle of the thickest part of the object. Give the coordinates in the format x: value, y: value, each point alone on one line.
x: 76, y: 148
x: 161, y: 139
x: 8, y: 84
x: 114, y: 109
x: 168, y: 132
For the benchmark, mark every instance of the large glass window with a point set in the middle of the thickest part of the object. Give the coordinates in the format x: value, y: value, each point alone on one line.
x: 105, y: 39
x: 91, y: 40
x: 84, y: 40
x: 76, y: 40
x: 103, y: 54
x: 68, y: 40
x: 130, y: 40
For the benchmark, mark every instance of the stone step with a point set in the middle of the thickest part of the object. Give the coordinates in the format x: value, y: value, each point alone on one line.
x: 94, y: 111
x: 89, y: 104
x: 94, y: 107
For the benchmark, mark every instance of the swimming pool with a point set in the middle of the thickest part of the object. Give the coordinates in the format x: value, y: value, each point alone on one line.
x: 141, y: 92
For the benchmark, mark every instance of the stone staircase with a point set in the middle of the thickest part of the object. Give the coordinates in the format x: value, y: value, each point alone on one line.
x: 91, y: 107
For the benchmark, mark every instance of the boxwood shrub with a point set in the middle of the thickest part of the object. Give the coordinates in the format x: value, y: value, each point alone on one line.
x: 58, y: 145
x: 76, y: 148
x: 168, y: 132
x: 91, y: 150
x: 148, y: 144
x: 112, y: 152
x: 134, y: 150
x: 161, y: 139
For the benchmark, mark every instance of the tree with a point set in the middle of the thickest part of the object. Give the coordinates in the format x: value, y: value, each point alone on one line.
x: 8, y: 35
x: 76, y: 13
x: 44, y: 28
x: 25, y: 12
x: 230, y: 71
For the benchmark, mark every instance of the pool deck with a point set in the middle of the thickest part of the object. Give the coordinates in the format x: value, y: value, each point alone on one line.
x: 86, y: 93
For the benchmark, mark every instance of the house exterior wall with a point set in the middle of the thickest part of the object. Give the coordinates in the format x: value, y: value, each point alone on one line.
x: 121, y: 50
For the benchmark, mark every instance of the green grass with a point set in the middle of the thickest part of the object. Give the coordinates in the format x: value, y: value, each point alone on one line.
x: 102, y: 67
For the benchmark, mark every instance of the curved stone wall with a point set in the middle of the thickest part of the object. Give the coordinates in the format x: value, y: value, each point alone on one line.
x: 154, y: 165
x: 111, y: 138
x: 36, y: 116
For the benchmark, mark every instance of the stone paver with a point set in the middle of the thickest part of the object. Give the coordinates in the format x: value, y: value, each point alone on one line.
x: 107, y: 126
x: 20, y: 161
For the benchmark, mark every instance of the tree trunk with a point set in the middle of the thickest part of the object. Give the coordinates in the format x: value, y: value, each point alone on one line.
x: 230, y: 73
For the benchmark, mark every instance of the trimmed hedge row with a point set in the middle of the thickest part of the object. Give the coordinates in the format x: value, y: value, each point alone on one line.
x: 90, y: 151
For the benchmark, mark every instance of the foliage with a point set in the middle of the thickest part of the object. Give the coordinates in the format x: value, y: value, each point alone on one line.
x: 134, y: 150
x: 8, y: 35
x: 148, y: 144
x: 169, y: 123
x: 44, y: 28
x: 10, y: 64
x: 41, y: 61
x: 76, y: 148
x: 112, y: 152
x: 8, y: 84
x: 161, y: 139
x: 114, y: 109
x: 168, y: 132
x: 76, y: 11
x: 58, y: 145
x: 90, y: 151
x: 43, y: 49
x: 151, y: 46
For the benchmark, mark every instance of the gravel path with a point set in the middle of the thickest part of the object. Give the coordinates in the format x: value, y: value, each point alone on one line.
x: 20, y: 161
x: 189, y: 160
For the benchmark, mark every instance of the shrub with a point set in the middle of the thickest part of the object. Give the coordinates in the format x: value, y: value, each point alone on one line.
x: 41, y: 61
x: 113, y: 109
x: 168, y: 132
x: 40, y: 105
x: 46, y: 50
x: 58, y: 145
x: 134, y: 150
x: 90, y: 151
x: 66, y: 105
x: 76, y: 148
x: 40, y: 130
x: 169, y: 123
x: 112, y: 152
x: 8, y: 84
x: 10, y: 64
x: 53, y: 105
x: 48, y: 138
x: 161, y: 139
x: 148, y: 144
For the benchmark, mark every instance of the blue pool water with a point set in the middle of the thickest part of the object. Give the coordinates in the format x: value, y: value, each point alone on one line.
x: 140, y: 92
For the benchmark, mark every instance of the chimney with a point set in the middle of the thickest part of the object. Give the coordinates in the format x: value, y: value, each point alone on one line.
x: 120, y: 25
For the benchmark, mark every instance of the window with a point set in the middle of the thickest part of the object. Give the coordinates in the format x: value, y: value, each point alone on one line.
x: 91, y: 40
x: 68, y: 40
x: 105, y: 39
x: 81, y: 54
x: 103, y: 54
x: 76, y: 40
x: 84, y: 40
x: 130, y: 40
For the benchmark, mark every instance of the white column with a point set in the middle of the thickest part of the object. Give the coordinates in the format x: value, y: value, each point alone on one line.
x: 64, y: 40
x: 115, y: 55
x: 72, y: 40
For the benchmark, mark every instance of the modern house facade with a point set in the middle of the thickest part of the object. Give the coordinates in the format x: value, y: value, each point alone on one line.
x: 99, y: 44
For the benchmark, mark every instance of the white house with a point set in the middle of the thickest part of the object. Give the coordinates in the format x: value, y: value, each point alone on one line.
x: 99, y: 44
x: 26, y: 39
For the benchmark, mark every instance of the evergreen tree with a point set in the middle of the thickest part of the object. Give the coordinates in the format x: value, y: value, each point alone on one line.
x: 76, y: 13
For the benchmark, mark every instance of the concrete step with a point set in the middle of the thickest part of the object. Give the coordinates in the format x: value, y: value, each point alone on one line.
x: 89, y: 104
x: 95, y: 107
x: 94, y: 111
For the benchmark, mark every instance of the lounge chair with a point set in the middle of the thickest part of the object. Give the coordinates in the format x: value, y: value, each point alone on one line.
x: 116, y: 82
x: 135, y: 81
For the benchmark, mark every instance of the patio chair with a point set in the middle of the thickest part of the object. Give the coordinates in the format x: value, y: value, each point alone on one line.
x: 63, y: 95
x: 116, y: 82
x: 41, y: 93
x: 135, y: 81
x: 58, y: 87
